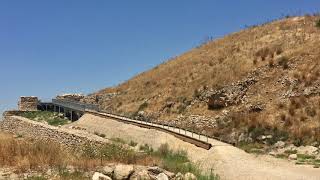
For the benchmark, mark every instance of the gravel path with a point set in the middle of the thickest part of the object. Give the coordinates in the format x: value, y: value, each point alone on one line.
x: 227, y: 161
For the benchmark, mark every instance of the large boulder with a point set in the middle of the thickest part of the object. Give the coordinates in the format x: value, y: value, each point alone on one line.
x: 157, y: 170
x: 100, y: 176
x: 108, y: 170
x: 162, y: 176
x: 122, y: 172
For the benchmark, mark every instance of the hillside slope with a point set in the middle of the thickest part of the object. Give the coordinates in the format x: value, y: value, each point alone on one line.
x: 225, y: 160
x: 264, y: 80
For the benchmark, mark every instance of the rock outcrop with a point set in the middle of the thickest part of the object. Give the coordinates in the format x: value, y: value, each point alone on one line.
x: 137, y: 172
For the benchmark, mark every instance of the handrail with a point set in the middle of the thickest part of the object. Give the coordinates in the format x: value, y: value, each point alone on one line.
x: 186, y: 135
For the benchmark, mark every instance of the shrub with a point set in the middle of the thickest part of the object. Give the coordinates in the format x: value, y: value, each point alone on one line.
x: 143, y: 106
x: 318, y: 23
x: 263, y: 53
x: 119, y: 153
x: 256, y: 132
x: 66, y: 175
x: 146, y: 148
x: 133, y: 144
x: 271, y: 63
x: 177, y: 161
x: 284, y: 62
x: 164, y: 149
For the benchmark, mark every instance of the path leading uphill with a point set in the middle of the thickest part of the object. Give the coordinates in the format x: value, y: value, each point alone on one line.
x: 227, y: 161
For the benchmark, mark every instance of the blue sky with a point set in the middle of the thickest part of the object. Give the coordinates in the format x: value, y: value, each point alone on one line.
x: 52, y: 47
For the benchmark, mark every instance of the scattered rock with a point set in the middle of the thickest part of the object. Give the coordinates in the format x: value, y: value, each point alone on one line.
x: 242, y: 137
x: 228, y: 95
x: 71, y: 169
x: 179, y: 176
x: 108, y: 170
x: 290, y: 147
x: 140, y: 175
x: 293, y: 156
x: 309, y: 150
x: 256, y: 108
x: 272, y: 153
x: 279, y: 144
x: 100, y: 176
x: 122, y: 172
x: 190, y: 176
x: 155, y: 170
x: 162, y: 176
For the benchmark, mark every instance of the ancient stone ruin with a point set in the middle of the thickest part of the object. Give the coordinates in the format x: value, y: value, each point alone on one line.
x: 28, y: 103
x: 70, y: 97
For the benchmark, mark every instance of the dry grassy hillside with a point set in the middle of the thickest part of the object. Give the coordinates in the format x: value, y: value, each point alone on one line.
x: 267, y: 78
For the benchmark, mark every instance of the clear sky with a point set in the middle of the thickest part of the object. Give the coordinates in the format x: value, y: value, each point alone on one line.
x: 61, y: 46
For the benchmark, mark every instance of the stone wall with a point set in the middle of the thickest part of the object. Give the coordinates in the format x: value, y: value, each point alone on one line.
x: 70, y: 138
x: 29, y: 103
x: 70, y: 97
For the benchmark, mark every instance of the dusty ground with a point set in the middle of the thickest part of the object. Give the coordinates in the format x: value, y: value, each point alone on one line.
x: 228, y: 161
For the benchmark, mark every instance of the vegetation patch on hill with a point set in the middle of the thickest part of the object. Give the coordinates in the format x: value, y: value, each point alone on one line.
x: 51, y: 118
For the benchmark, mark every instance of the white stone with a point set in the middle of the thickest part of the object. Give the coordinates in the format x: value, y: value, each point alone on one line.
x: 309, y: 150
x: 162, y: 176
x: 293, y: 156
x: 100, y: 176
x: 190, y: 176
x: 107, y: 170
x: 122, y: 172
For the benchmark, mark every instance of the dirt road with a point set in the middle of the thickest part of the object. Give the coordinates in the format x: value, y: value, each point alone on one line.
x: 227, y: 161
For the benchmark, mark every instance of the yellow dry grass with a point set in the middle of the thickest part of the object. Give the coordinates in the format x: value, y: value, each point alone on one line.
x: 289, y: 47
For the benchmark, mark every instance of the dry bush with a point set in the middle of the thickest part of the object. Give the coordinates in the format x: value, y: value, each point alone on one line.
x: 284, y: 62
x: 318, y: 23
x: 263, y: 53
x: 30, y: 154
